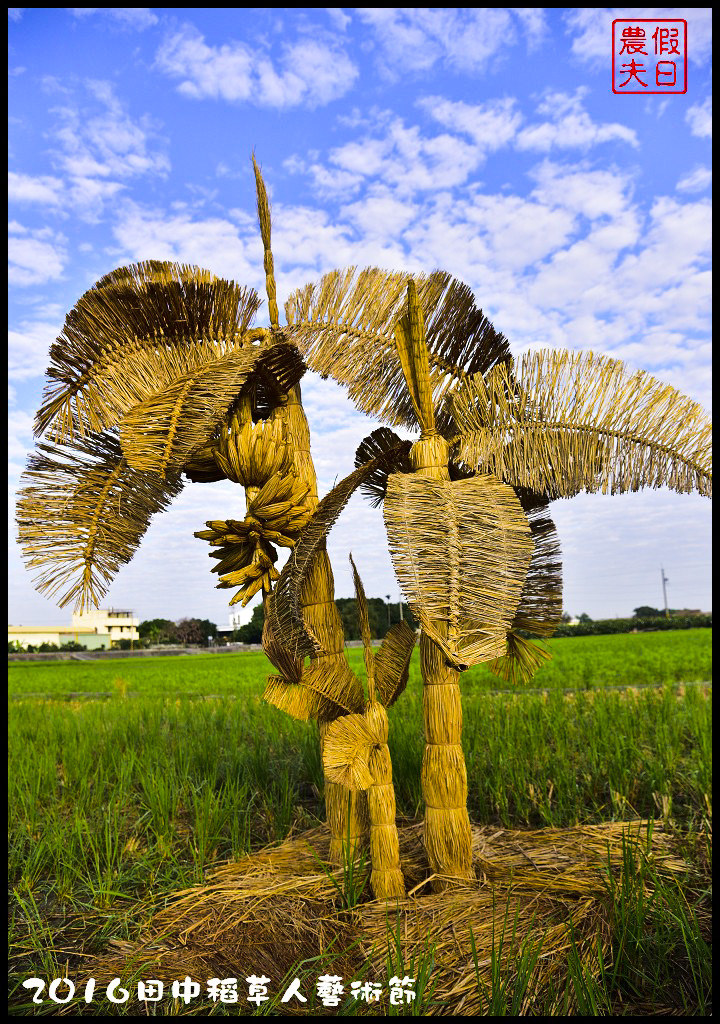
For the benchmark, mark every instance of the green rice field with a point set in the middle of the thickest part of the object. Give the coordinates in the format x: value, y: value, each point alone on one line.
x: 120, y: 799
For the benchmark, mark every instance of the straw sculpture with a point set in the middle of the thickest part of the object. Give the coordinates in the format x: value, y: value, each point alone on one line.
x: 356, y: 754
x: 159, y: 377
x: 466, y: 506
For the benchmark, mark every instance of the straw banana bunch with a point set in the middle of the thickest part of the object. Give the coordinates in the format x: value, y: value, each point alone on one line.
x: 356, y: 755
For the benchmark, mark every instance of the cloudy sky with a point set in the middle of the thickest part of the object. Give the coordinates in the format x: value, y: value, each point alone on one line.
x: 484, y: 142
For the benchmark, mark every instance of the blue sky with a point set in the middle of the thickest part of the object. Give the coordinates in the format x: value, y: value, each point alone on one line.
x: 484, y: 142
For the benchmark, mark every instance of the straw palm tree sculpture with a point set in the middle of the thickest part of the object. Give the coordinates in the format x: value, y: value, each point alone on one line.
x: 356, y: 754
x: 473, y: 546
x: 158, y: 376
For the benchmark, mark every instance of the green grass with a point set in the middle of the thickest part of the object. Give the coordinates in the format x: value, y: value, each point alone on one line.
x: 121, y: 800
x: 581, y: 662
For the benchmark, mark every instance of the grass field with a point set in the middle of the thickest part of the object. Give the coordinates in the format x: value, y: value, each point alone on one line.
x: 118, y: 800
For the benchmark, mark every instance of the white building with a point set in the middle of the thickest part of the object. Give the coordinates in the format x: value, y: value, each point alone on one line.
x: 95, y: 630
x: 117, y: 623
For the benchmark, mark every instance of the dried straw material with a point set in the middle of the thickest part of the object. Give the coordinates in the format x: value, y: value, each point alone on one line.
x: 265, y: 221
x: 461, y: 550
x: 291, y: 606
x: 245, y: 554
x: 162, y: 432
x: 250, y: 453
x: 356, y: 755
x: 274, y: 909
x: 139, y: 328
x: 392, y: 662
x: 345, y: 325
x: 540, y: 608
x: 385, y: 444
x: 82, y: 513
x: 562, y: 422
x: 328, y: 672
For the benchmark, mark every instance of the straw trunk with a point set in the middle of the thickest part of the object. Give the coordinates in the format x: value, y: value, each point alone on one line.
x: 346, y: 810
x: 444, y: 776
x: 386, y: 876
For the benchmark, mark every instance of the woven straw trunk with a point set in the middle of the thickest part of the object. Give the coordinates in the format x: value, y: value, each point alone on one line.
x: 386, y: 877
x: 444, y: 776
x: 346, y: 810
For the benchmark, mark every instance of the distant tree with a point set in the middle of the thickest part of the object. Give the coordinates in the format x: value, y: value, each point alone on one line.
x: 566, y: 617
x: 584, y: 618
x: 158, y: 631
x: 251, y: 632
x: 191, y: 631
x: 646, y: 612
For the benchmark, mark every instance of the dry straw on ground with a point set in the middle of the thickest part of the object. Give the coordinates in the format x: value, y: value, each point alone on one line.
x: 272, y: 910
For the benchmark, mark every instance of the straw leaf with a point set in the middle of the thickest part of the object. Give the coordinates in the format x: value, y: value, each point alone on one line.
x: 345, y: 327
x: 392, y: 662
x: 285, y: 608
x: 346, y: 751
x: 162, y: 432
x: 364, y: 620
x: 561, y: 422
x: 375, y: 445
x: 521, y: 661
x: 137, y: 329
x: 202, y: 468
x: 82, y: 513
x: 461, y: 551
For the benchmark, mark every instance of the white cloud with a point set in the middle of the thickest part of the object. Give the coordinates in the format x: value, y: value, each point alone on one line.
x: 28, y: 347
x: 34, y: 256
x: 491, y: 125
x: 570, y: 126
x: 699, y: 117
x: 127, y: 17
x: 463, y: 39
x: 312, y: 72
x: 212, y: 242
x: 15, y: 13
x: 27, y: 188
x: 696, y: 180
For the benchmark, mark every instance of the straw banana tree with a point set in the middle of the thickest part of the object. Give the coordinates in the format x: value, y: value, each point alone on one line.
x: 158, y: 377
x: 466, y: 508
x: 356, y: 752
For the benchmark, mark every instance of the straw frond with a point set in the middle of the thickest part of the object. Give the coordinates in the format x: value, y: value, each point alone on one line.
x: 202, y: 468
x: 365, y: 634
x: 461, y: 550
x: 345, y: 327
x: 521, y: 661
x: 137, y: 329
x: 540, y: 608
x: 561, y: 422
x: 297, y: 701
x: 162, y: 432
x: 392, y: 662
x: 291, y: 669
x: 346, y: 752
x: 376, y: 445
x: 82, y: 513
x: 326, y: 689
x: 265, y: 222
x: 285, y: 608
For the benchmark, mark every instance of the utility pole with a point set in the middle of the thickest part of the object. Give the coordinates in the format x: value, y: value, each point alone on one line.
x: 664, y: 581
